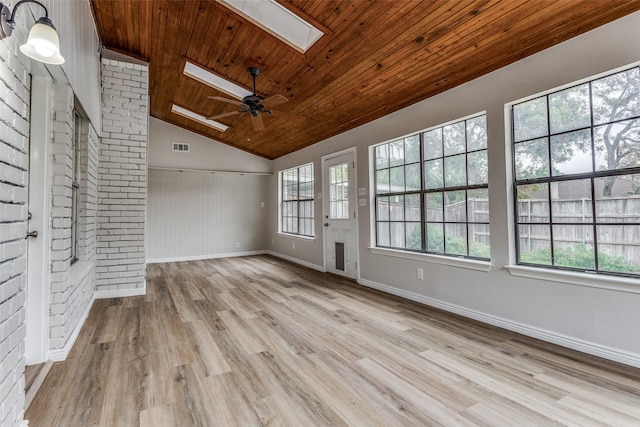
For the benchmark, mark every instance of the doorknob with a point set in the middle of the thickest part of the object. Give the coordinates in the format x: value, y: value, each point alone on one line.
x: 326, y: 224
x: 33, y: 233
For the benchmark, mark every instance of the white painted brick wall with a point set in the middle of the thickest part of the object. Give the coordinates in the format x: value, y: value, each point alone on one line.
x: 14, y: 158
x: 71, y: 294
x: 122, y: 177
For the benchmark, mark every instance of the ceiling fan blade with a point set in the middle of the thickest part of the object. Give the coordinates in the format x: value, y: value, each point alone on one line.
x: 274, y: 100
x: 230, y: 113
x: 227, y: 100
x: 288, y: 116
x: 258, y: 123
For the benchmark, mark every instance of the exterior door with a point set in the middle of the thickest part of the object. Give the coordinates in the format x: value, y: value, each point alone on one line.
x: 339, y: 214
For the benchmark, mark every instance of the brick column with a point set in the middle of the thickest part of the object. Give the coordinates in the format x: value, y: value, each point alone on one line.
x: 122, y: 179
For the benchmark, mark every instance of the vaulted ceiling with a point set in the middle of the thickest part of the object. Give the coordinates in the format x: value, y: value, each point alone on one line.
x: 375, y: 57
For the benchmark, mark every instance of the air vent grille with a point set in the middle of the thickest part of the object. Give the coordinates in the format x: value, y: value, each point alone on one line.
x: 181, y: 147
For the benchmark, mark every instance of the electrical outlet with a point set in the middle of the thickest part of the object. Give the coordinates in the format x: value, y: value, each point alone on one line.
x: 293, y: 245
x: 273, y: 241
x: 237, y: 244
x: 420, y: 274
x: 262, y: 204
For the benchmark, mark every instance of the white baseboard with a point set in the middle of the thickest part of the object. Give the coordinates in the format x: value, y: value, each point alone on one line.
x: 298, y: 261
x: 60, y: 354
x: 201, y: 257
x: 121, y: 293
x: 617, y: 355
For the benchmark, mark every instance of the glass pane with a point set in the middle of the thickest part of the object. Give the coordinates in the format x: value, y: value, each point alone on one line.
x: 433, y: 174
x: 455, y: 239
x: 382, y: 156
x: 455, y: 171
x: 571, y: 153
x: 530, y: 119
x: 412, y: 175
x: 413, y: 235
x: 454, y: 138
x: 573, y: 246
x: 383, y: 208
x: 383, y: 234
x: 435, y: 238
x: 382, y: 181
x: 570, y: 109
x: 479, y: 241
x: 396, y: 153
x: 412, y: 207
x: 617, y: 199
x: 434, y: 207
x: 432, y: 144
x: 339, y: 191
x: 618, y: 248
x: 535, y: 244
x: 397, y: 234
x: 616, y: 97
x: 397, y: 179
x: 533, y: 203
x: 571, y: 201
x: 617, y: 145
x: 396, y: 206
x: 478, y: 167
x: 477, y: 133
x: 532, y: 159
x: 478, y: 205
x: 455, y: 206
x: 412, y: 149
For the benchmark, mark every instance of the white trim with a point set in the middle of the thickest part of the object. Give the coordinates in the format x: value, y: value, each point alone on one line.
x: 610, y: 353
x: 612, y: 283
x: 297, y: 236
x: 211, y: 171
x: 25, y: 423
x: 121, y: 293
x: 38, y: 249
x: 297, y: 261
x: 471, y: 264
x: 206, y: 256
x: 60, y: 354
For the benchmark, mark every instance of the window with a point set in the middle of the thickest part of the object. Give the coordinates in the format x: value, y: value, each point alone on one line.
x: 75, y: 184
x: 339, y: 191
x: 432, y: 191
x: 576, y: 162
x: 296, y: 195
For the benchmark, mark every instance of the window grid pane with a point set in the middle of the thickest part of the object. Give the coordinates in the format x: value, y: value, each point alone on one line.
x: 577, y: 176
x: 297, y: 201
x: 413, y: 210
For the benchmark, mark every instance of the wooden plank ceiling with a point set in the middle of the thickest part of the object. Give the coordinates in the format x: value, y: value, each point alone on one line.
x: 376, y: 56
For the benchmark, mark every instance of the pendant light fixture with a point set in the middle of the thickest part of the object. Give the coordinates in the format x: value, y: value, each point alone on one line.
x: 42, y: 44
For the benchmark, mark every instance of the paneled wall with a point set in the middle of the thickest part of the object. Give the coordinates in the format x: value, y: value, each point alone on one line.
x: 194, y: 215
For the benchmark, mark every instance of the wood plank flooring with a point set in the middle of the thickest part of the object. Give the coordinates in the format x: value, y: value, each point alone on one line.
x: 257, y: 341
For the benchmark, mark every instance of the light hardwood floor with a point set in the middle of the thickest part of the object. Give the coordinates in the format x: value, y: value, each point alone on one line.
x: 260, y: 342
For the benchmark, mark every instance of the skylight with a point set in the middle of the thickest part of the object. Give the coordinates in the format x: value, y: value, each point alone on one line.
x: 198, y: 118
x: 215, y: 81
x: 277, y: 20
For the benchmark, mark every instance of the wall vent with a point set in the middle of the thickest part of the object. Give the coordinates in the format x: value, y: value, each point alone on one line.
x: 182, y: 147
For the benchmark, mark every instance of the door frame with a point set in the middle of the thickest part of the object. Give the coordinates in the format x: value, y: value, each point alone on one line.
x: 39, y: 205
x: 325, y: 205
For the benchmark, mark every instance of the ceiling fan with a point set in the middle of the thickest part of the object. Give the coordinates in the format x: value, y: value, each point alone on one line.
x: 256, y: 105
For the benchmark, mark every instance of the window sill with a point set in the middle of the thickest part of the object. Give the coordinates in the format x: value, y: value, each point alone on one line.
x: 471, y: 264
x: 613, y: 283
x: 297, y: 236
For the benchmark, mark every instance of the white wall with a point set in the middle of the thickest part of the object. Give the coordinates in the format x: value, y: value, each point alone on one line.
x: 205, y: 154
x: 196, y: 215
x: 601, y: 321
x: 197, y: 207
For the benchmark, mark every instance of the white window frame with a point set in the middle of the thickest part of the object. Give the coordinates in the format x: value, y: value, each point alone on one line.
x: 281, y: 228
